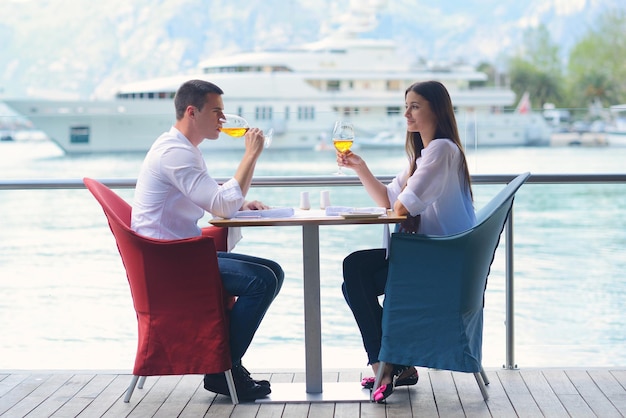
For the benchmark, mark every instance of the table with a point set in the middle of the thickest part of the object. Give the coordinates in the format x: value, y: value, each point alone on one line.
x: 310, y: 222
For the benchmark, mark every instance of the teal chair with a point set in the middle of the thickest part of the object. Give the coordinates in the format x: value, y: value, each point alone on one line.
x: 433, y: 307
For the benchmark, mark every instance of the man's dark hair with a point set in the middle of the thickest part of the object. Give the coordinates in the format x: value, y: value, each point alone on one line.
x: 193, y: 93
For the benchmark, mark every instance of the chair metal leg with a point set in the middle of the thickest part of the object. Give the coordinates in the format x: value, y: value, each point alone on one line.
x: 142, y: 380
x: 131, y: 388
x: 379, y: 378
x: 484, y: 375
x: 481, y: 385
x: 231, y: 386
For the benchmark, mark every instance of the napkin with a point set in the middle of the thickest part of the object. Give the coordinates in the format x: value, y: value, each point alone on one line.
x: 338, y: 210
x: 281, y: 212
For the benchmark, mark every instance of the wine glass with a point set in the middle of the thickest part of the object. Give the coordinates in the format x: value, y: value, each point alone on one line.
x: 236, y: 126
x: 343, y: 136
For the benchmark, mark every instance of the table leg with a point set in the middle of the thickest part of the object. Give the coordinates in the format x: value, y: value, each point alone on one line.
x: 311, y: 391
x: 312, y: 308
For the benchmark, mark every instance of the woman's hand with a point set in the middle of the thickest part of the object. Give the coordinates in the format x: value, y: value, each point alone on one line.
x: 349, y: 159
x: 399, y: 209
x: 412, y: 223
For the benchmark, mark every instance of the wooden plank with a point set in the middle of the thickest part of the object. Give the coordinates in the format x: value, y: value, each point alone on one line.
x: 62, y: 395
x: 547, y: 392
x: 297, y: 410
x: 542, y: 393
x: 180, y: 396
x: 9, y: 382
x: 372, y: 410
x: 245, y: 410
x: 398, y: 403
x: 81, y: 400
x: 110, y: 402
x: 446, y: 396
x: 199, y: 403
x: 155, y: 396
x: 518, y: 394
x: 18, y: 388
x: 271, y: 410
x: 322, y: 410
x: 35, y: 397
x: 559, y: 382
x: 349, y: 409
x: 282, y: 377
x: 469, y: 393
x: 566, y: 392
x: 611, y: 388
x: 592, y: 395
x: 421, y: 395
x: 221, y: 406
x: 620, y: 376
x: 348, y: 376
x: 498, y: 403
x: 276, y: 410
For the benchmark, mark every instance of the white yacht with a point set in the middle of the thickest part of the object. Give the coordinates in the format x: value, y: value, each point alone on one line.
x: 298, y: 92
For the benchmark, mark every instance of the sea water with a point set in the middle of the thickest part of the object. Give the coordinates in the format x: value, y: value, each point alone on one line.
x: 66, y: 303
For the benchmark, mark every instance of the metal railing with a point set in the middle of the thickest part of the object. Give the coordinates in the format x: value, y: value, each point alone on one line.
x: 47, y: 184
x: 127, y: 183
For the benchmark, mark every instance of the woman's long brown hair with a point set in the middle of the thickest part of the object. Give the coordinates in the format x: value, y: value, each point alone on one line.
x: 438, y: 97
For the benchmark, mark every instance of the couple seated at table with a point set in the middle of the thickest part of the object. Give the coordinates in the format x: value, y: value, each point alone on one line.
x: 174, y: 190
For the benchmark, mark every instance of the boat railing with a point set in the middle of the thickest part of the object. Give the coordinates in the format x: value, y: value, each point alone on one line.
x: 329, y: 181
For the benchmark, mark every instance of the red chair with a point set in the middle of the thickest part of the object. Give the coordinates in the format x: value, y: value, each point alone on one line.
x: 181, y: 305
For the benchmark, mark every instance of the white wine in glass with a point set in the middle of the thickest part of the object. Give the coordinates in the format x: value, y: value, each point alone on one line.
x: 236, y: 126
x: 343, y: 137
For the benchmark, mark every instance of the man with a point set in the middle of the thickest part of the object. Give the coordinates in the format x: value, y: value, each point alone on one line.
x: 173, y: 191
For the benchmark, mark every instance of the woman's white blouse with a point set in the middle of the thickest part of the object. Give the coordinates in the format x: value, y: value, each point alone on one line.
x: 436, y: 190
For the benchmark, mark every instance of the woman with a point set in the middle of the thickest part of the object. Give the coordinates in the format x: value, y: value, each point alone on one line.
x: 433, y: 191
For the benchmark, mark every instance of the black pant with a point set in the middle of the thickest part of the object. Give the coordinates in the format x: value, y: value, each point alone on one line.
x: 364, y: 279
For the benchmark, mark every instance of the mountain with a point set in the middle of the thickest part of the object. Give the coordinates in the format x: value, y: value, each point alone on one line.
x: 84, y: 49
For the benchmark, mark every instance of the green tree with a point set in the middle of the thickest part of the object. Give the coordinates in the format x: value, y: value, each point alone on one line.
x: 490, y: 70
x: 596, y: 68
x: 537, y: 69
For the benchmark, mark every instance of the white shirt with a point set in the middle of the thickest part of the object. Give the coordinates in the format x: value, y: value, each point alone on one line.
x: 436, y: 190
x: 174, y: 190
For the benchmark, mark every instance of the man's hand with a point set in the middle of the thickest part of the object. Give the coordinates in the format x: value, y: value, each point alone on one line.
x: 254, y: 205
x: 255, y: 141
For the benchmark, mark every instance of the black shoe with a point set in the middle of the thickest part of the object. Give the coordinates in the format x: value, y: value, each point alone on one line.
x: 258, y: 382
x: 247, y: 390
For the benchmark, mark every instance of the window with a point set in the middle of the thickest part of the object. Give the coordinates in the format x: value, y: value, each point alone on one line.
x: 393, y: 85
x: 79, y: 134
x: 263, y: 113
x: 306, y: 112
x: 393, y: 110
x: 333, y: 85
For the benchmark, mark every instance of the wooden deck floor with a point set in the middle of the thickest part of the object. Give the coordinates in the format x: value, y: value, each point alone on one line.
x: 513, y: 393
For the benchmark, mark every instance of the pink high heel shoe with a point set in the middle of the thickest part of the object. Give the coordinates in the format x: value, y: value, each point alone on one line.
x: 368, y: 382
x: 384, y: 391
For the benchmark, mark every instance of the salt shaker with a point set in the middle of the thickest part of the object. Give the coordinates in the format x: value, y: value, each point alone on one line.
x: 324, y: 199
x: 305, y: 202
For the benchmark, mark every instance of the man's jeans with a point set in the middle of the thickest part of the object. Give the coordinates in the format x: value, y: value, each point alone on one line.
x: 256, y: 282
